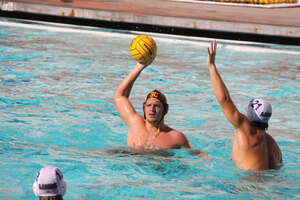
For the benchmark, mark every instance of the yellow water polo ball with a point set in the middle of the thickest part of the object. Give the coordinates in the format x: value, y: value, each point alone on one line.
x: 143, y: 48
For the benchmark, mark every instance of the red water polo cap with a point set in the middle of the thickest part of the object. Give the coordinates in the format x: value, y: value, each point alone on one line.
x: 160, y: 97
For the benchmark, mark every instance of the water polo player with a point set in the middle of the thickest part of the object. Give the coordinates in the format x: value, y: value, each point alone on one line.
x: 253, y: 148
x: 149, y: 131
x: 49, y: 184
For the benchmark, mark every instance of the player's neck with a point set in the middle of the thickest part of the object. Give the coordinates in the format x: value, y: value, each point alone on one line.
x: 154, y: 128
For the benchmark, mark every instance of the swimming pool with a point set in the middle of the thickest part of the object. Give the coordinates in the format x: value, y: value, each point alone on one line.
x: 56, y: 101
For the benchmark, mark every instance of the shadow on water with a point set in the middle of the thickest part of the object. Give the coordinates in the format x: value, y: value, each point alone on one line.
x: 123, y: 151
x: 166, y: 163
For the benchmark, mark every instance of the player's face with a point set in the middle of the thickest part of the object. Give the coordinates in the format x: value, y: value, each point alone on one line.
x: 153, y: 111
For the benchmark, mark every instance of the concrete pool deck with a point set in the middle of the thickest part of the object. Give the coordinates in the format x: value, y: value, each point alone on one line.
x: 282, y: 20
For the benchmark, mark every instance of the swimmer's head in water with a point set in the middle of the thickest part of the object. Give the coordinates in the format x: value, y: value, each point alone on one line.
x: 160, y: 97
x: 259, y: 110
x: 49, y: 182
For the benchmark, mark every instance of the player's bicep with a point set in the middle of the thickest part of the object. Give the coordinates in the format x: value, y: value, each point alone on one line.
x: 232, y: 114
x: 125, y: 109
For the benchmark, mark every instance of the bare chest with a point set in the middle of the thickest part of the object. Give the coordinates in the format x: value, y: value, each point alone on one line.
x: 154, y: 140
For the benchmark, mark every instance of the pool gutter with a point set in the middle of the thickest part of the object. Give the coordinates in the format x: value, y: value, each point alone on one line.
x: 175, y: 21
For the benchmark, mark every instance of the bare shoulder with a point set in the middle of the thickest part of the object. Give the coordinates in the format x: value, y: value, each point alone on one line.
x: 272, y: 143
x: 173, y: 132
x: 246, y: 136
x: 270, y: 138
x: 180, y: 138
x: 244, y: 129
x: 176, y: 133
x: 136, y: 121
x: 275, y: 155
x: 138, y: 118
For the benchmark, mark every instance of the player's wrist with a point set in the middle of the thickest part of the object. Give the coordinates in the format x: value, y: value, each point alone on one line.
x: 140, y: 65
x: 211, y: 65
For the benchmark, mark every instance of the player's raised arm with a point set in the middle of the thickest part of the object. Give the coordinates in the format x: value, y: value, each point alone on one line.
x: 229, y: 109
x: 121, y: 96
x: 142, y: 49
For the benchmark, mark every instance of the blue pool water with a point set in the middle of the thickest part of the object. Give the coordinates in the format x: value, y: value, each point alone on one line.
x: 56, y: 105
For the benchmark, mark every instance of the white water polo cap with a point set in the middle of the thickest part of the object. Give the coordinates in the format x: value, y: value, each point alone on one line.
x: 259, y: 110
x: 49, y: 182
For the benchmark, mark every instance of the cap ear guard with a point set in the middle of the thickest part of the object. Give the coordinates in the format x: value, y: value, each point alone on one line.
x: 35, y: 188
x: 62, y: 183
x: 63, y: 187
x: 166, y: 108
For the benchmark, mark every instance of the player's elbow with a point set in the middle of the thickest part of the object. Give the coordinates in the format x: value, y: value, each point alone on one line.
x: 118, y: 100
x: 224, y: 100
x: 117, y: 97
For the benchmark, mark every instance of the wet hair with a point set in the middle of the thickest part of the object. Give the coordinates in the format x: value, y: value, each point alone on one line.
x: 58, y: 197
x: 260, y: 125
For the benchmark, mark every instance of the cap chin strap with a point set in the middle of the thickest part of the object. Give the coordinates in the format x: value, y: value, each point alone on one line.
x: 158, y: 129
